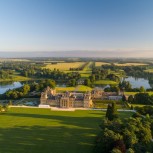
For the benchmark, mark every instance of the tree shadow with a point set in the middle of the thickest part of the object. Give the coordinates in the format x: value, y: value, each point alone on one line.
x: 76, y: 135
x: 82, y: 122
x: 45, y: 140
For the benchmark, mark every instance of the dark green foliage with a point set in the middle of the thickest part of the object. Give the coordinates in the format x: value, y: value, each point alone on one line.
x: 111, y: 111
x: 142, y: 89
x: 133, y: 135
x: 6, y: 74
x: 143, y: 98
x: 112, y: 89
x: 72, y: 82
x: 87, y: 82
x: 125, y: 85
x: 130, y: 99
x: 123, y: 98
x: 113, y: 77
x: 145, y: 110
x: 24, y: 91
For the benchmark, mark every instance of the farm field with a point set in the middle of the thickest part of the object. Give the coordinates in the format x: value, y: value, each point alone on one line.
x: 86, y: 72
x: 130, y: 64
x: 101, y: 63
x: 79, y: 88
x: 64, y: 66
x: 33, y: 130
x: 149, y: 70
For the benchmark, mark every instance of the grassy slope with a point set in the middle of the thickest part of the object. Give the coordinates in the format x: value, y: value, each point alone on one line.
x: 30, y: 130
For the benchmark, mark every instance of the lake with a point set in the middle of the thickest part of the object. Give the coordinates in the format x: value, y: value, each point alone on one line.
x: 135, y: 82
x: 9, y: 85
x: 138, y: 82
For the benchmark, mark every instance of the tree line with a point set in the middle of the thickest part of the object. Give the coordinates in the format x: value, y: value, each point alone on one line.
x: 129, y: 135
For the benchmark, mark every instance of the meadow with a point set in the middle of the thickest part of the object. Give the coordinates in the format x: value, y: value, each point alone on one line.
x: 105, y: 82
x: 149, y: 70
x: 64, y: 66
x: 16, y: 77
x: 33, y: 130
x: 130, y: 64
x: 101, y: 63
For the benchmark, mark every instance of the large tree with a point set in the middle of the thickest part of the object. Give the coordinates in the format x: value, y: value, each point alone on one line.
x: 111, y: 112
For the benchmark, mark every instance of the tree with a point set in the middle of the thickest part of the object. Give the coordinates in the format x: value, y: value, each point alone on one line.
x: 142, y: 89
x: 108, y: 112
x: 111, y: 112
x: 123, y: 98
x: 87, y: 82
x: 26, y: 89
x: 143, y: 98
x: 130, y: 99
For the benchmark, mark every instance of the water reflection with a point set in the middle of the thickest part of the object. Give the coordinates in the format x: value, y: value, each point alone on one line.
x: 5, y: 86
x: 138, y: 82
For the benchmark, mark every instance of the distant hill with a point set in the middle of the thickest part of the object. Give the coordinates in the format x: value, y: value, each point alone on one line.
x: 116, y: 54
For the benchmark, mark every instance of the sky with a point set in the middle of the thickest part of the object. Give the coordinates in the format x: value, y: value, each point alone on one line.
x: 113, y: 26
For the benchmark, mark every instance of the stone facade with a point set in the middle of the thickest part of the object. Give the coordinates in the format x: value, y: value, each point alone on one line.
x: 65, y: 100
x: 75, y: 100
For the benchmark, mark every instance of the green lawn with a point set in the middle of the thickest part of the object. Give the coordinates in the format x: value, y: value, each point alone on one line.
x: 133, y: 93
x: 79, y: 88
x: 105, y: 82
x: 16, y: 78
x: 33, y: 130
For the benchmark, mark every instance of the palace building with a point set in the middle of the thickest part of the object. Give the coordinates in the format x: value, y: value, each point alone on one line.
x: 65, y: 100
x: 73, y: 99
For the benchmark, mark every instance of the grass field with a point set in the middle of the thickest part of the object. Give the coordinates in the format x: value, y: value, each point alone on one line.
x: 104, y: 104
x: 139, y: 105
x: 101, y: 63
x: 16, y: 78
x: 64, y: 66
x: 105, y: 82
x: 130, y: 64
x: 32, y: 130
x: 86, y: 72
x: 149, y: 70
x: 79, y: 88
x: 133, y: 93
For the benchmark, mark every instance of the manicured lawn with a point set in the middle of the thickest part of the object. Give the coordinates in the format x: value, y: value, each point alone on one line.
x: 79, y: 88
x: 105, y: 82
x: 139, y: 105
x: 33, y: 130
x: 133, y: 93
